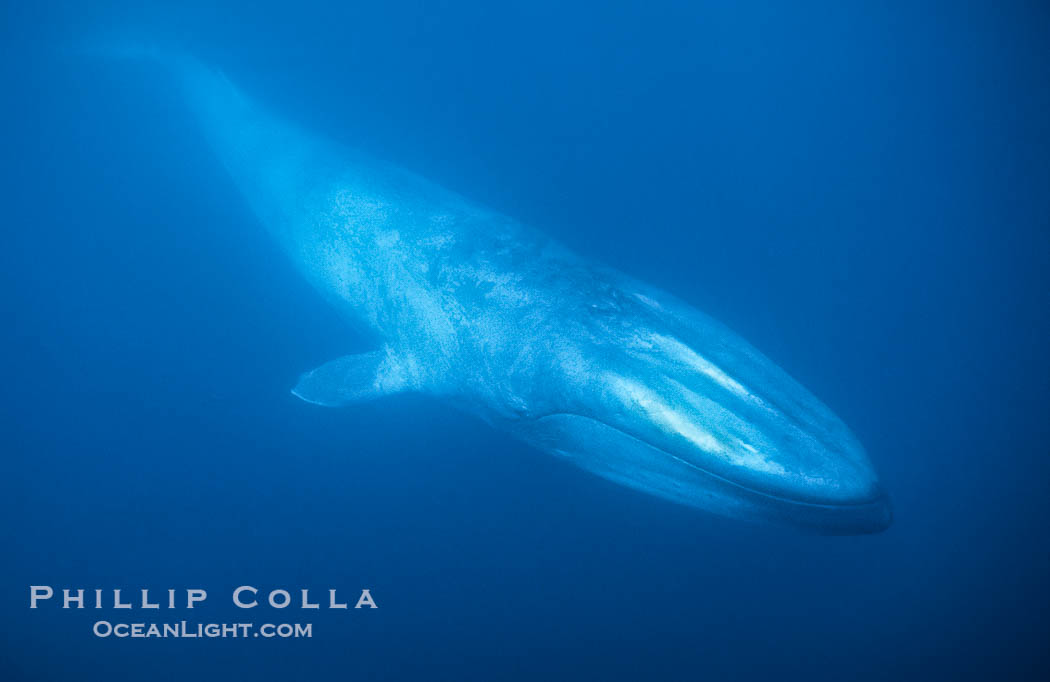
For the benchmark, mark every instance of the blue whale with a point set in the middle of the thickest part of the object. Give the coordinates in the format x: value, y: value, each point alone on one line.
x: 572, y: 357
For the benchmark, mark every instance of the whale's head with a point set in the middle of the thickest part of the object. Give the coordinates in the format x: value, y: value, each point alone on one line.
x: 676, y: 405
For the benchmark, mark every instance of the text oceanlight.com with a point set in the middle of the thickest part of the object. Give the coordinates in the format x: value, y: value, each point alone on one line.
x: 104, y: 628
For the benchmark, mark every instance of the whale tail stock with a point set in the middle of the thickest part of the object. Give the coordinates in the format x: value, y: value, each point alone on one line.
x: 190, y: 74
x: 277, y: 167
x: 283, y: 173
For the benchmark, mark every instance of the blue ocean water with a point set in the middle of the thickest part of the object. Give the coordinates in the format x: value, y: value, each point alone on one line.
x: 860, y: 191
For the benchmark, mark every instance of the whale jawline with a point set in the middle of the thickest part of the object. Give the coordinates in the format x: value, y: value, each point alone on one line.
x: 865, y: 516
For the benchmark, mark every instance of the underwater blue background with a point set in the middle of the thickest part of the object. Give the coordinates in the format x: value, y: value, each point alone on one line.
x: 861, y: 191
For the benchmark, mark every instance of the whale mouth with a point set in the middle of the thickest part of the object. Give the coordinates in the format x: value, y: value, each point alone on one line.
x: 625, y: 458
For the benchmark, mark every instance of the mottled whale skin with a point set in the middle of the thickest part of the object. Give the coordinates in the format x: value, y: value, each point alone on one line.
x: 579, y: 360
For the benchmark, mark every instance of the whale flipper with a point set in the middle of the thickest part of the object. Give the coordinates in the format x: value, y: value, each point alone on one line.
x: 350, y: 379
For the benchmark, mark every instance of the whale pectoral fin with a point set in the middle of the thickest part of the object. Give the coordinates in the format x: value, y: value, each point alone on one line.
x: 349, y: 379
